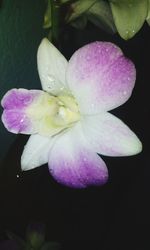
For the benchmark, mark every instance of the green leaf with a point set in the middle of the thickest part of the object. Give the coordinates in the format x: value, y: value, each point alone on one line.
x: 80, y: 22
x: 35, y: 235
x: 64, y: 1
x: 47, y: 17
x: 100, y: 14
x: 51, y: 246
x: 19, y: 241
x: 129, y: 16
x: 78, y: 8
x: 148, y: 16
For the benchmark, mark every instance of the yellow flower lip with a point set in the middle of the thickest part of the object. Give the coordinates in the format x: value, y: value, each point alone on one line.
x: 68, y: 109
x: 69, y: 101
x: 54, y: 113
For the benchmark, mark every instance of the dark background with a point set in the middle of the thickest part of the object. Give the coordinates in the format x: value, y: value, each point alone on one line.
x: 114, y: 216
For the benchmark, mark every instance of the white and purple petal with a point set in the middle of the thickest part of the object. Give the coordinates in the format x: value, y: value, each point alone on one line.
x: 100, y: 77
x: 52, y: 68
x: 73, y: 163
x: 15, y: 103
x: 109, y: 136
x: 30, y: 112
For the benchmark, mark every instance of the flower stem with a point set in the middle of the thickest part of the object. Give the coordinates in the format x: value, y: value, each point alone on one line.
x: 55, y: 13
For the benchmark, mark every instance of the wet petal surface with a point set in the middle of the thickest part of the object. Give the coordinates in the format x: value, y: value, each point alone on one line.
x: 73, y: 163
x: 52, y: 68
x: 108, y: 135
x: 30, y: 112
x: 15, y: 103
x: 100, y: 77
x: 36, y: 152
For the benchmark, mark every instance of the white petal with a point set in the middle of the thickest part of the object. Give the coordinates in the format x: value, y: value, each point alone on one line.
x: 52, y: 68
x: 36, y: 151
x: 108, y: 135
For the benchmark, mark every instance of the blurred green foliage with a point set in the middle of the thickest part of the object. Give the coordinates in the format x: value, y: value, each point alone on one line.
x: 148, y: 16
x: 123, y: 16
x: 34, y: 240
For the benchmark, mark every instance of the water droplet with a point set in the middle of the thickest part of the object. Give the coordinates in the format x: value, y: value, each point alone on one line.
x: 51, y: 78
x: 49, y: 86
x: 17, y: 175
x: 62, y: 88
x: 22, y: 120
x: 127, y: 31
x: 51, y: 81
x: 133, y: 31
x: 124, y: 92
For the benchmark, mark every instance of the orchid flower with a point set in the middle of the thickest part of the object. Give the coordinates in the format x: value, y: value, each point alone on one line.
x: 69, y: 120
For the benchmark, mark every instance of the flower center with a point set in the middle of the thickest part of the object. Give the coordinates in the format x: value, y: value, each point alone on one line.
x: 67, y: 112
x: 53, y: 114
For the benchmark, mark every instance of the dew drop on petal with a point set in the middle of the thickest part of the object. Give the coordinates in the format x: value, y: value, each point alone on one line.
x: 22, y: 120
x: 62, y: 88
x: 49, y: 86
x: 51, y: 80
